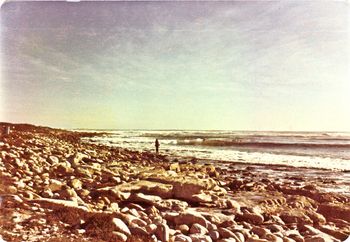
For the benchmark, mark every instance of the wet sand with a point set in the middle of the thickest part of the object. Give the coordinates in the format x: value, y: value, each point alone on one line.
x: 56, y: 188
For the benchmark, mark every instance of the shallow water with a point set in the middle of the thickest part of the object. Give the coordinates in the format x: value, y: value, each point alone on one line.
x: 299, y: 149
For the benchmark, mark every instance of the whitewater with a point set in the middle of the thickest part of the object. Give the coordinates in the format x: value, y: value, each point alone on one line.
x: 328, y: 150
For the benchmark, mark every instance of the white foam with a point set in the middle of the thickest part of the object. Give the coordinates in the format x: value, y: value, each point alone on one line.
x: 144, y: 141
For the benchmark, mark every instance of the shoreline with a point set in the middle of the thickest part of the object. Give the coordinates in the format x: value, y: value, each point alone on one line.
x: 90, y: 192
x: 249, y: 156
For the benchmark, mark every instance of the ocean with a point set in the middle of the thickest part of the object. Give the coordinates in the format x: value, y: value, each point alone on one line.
x: 330, y: 150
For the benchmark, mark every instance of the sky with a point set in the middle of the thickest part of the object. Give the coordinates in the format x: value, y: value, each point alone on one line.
x: 237, y: 65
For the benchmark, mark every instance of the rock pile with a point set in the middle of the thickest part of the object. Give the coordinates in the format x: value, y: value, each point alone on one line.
x: 55, y: 187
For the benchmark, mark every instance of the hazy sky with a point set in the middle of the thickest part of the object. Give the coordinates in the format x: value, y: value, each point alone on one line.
x: 256, y: 65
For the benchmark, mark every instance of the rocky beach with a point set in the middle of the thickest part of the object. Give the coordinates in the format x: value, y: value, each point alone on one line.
x: 55, y: 187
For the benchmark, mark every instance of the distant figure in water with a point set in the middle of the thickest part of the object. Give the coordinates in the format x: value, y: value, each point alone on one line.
x: 157, y: 145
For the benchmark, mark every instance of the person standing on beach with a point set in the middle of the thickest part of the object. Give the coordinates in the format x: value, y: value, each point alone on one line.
x: 157, y: 145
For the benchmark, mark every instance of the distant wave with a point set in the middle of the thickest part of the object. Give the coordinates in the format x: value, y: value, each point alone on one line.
x: 239, y: 143
x: 302, y: 149
x: 181, y: 135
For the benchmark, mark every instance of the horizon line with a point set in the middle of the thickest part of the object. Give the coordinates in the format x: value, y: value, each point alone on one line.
x: 178, y: 129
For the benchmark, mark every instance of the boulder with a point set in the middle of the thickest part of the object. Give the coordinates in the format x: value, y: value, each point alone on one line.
x: 132, y: 220
x: 200, y: 238
x: 183, y: 228
x: 146, y: 199
x: 254, y: 218
x: 286, y: 239
x: 198, y: 229
x: 251, y: 239
x: 62, y: 169
x: 175, y: 167
x: 183, y: 187
x: 84, y: 192
x: 334, y: 231
x: 172, y: 204
x: 11, y: 189
x: 151, y: 228
x: 225, y: 233
x: 272, y: 238
x: 211, y: 226
x: 261, y: 232
x: 316, y: 217
x: 136, y: 230
x: 240, y: 236
x: 76, y: 183
x: 214, y: 235
x: 219, y: 191
x: 67, y: 211
x: 227, y: 240
x: 233, y: 205
x: 47, y: 193
x: 318, y: 238
x: 182, y: 238
x: 190, y: 218
x: 120, y: 226
x: 70, y: 193
x: 55, y: 185
x: 294, y: 234
x: 83, y: 172
x: 117, y: 236
x: 317, y: 234
x: 295, y: 216
x: 53, y: 160
x: 147, y: 187
x: 114, y: 207
x: 188, y: 189
x: 152, y: 211
x: 76, y: 158
x: 275, y: 228
x: 220, y: 219
x: 201, y: 198
x: 163, y: 232
x: 330, y: 210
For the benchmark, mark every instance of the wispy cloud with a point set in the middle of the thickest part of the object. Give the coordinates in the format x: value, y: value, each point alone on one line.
x: 161, y: 53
